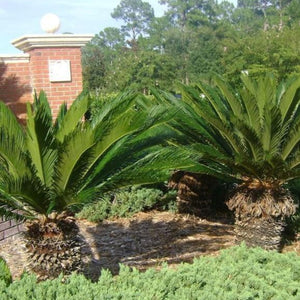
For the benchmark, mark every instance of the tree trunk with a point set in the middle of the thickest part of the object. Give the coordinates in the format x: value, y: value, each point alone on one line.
x: 260, y: 214
x: 260, y: 232
x: 194, y: 192
x: 53, y: 247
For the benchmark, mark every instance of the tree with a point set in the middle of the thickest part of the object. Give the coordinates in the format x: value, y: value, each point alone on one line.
x: 136, y: 15
x: 93, y: 67
x: 249, y: 136
x: 110, y: 38
x: 271, y: 51
x: 48, y: 169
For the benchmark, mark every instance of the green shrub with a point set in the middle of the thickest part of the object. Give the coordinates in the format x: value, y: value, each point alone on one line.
x: 5, y: 274
x: 125, y: 203
x: 238, y: 273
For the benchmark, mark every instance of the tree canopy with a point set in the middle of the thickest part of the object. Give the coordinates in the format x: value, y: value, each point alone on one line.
x: 191, y: 41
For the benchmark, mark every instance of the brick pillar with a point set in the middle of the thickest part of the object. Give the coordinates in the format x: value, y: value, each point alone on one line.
x: 55, y: 65
x: 15, y: 87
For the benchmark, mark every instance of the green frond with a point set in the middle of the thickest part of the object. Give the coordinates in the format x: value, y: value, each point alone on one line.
x: 41, y: 106
x: 278, y: 132
x: 272, y: 130
x: 8, y: 214
x: 289, y: 98
x: 60, y: 116
x: 292, y: 140
x: 252, y: 114
x: 71, y: 160
x: 25, y: 195
x: 263, y: 90
x: 115, y: 108
x: 294, y: 160
x: 215, y: 101
x: 163, y: 161
x: 69, y: 119
x: 253, y: 133
x: 12, y: 143
x: 231, y: 98
x: 251, y: 139
x: 40, y: 141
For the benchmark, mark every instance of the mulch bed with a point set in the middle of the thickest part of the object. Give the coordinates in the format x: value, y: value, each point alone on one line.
x: 142, y: 241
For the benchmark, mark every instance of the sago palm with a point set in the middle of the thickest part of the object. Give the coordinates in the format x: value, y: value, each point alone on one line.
x: 48, y: 167
x: 250, y: 136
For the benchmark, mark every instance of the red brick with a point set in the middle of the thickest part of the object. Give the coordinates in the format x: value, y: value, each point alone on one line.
x: 4, y: 225
x: 11, y: 231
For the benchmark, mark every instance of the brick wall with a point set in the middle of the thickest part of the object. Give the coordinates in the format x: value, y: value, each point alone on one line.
x: 9, y: 228
x: 15, y: 85
x: 57, y: 92
x: 18, y: 79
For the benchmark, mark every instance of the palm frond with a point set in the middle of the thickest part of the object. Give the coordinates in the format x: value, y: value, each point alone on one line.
x: 69, y: 119
x: 252, y: 114
x: 71, y: 160
x: 232, y: 99
x: 253, y: 141
x: 289, y: 97
x: 292, y: 140
x: 163, y: 161
x: 12, y: 143
x: 40, y: 140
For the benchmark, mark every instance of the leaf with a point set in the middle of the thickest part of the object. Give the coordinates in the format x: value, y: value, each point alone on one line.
x: 40, y: 140
x: 289, y: 98
x: 68, y: 120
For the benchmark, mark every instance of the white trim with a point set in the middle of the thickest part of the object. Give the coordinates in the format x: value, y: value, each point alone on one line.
x: 28, y: 42
x: 14, y: 58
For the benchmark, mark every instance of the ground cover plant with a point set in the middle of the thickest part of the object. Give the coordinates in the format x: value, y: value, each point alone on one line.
x: 49, y: 167
x: 126, y: 202
x: 5, y: 274
x: 237, y: 273
x: 249, y: 136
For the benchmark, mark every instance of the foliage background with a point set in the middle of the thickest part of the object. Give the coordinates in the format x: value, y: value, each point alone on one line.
x: 192, y: 40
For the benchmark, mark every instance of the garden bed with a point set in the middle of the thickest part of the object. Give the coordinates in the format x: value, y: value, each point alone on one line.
x: 142, y: 241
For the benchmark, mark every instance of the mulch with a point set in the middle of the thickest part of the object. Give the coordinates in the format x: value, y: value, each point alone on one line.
x: 145, y: 240
x: 142, y: 241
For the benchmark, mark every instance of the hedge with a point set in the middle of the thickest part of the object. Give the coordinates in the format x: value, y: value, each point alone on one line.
x: 237, y: 273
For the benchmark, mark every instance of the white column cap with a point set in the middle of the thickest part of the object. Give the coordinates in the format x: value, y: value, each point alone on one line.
x: 33, y: 41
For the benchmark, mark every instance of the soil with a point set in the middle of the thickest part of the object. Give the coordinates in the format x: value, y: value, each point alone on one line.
x: 142, y: 241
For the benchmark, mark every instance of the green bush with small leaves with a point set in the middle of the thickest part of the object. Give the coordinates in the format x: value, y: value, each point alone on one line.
x: 125, y: 203
x: 5, y: 274
x: 237, y: 273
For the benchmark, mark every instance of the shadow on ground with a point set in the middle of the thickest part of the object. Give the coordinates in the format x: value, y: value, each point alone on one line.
x: 149, y: 239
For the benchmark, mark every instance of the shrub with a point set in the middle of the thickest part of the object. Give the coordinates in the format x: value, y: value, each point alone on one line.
x: 5, y: 274
x: 238, y: 273
x: 125, y: 203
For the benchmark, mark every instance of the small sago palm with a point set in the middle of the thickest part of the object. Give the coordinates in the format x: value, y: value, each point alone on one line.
x: 252, y: 137
x: 48, y: 168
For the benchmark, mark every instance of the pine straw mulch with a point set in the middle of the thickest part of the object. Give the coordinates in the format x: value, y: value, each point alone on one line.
x: 142, y: 241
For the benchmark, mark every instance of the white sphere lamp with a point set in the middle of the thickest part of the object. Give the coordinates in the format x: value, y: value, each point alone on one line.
x: 50, y: 23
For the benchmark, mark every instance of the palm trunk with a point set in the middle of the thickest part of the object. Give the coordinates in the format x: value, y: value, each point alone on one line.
x: 260, y: 215
x: 53, y: 247
x: 194, y: 194
x: 260, y: 232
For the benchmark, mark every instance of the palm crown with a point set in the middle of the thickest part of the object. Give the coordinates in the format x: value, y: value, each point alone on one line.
x: 251, y: 135
x: 52, y: 166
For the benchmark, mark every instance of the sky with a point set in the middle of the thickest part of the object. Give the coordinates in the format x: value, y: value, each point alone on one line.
x: 22, y: 17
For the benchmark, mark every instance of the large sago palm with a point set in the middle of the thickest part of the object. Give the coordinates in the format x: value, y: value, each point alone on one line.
x: 49, y: 167
x: 250, y: 136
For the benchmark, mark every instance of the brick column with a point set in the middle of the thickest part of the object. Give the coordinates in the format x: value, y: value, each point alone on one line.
x: 15, y: 88
x: 55, y: 65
